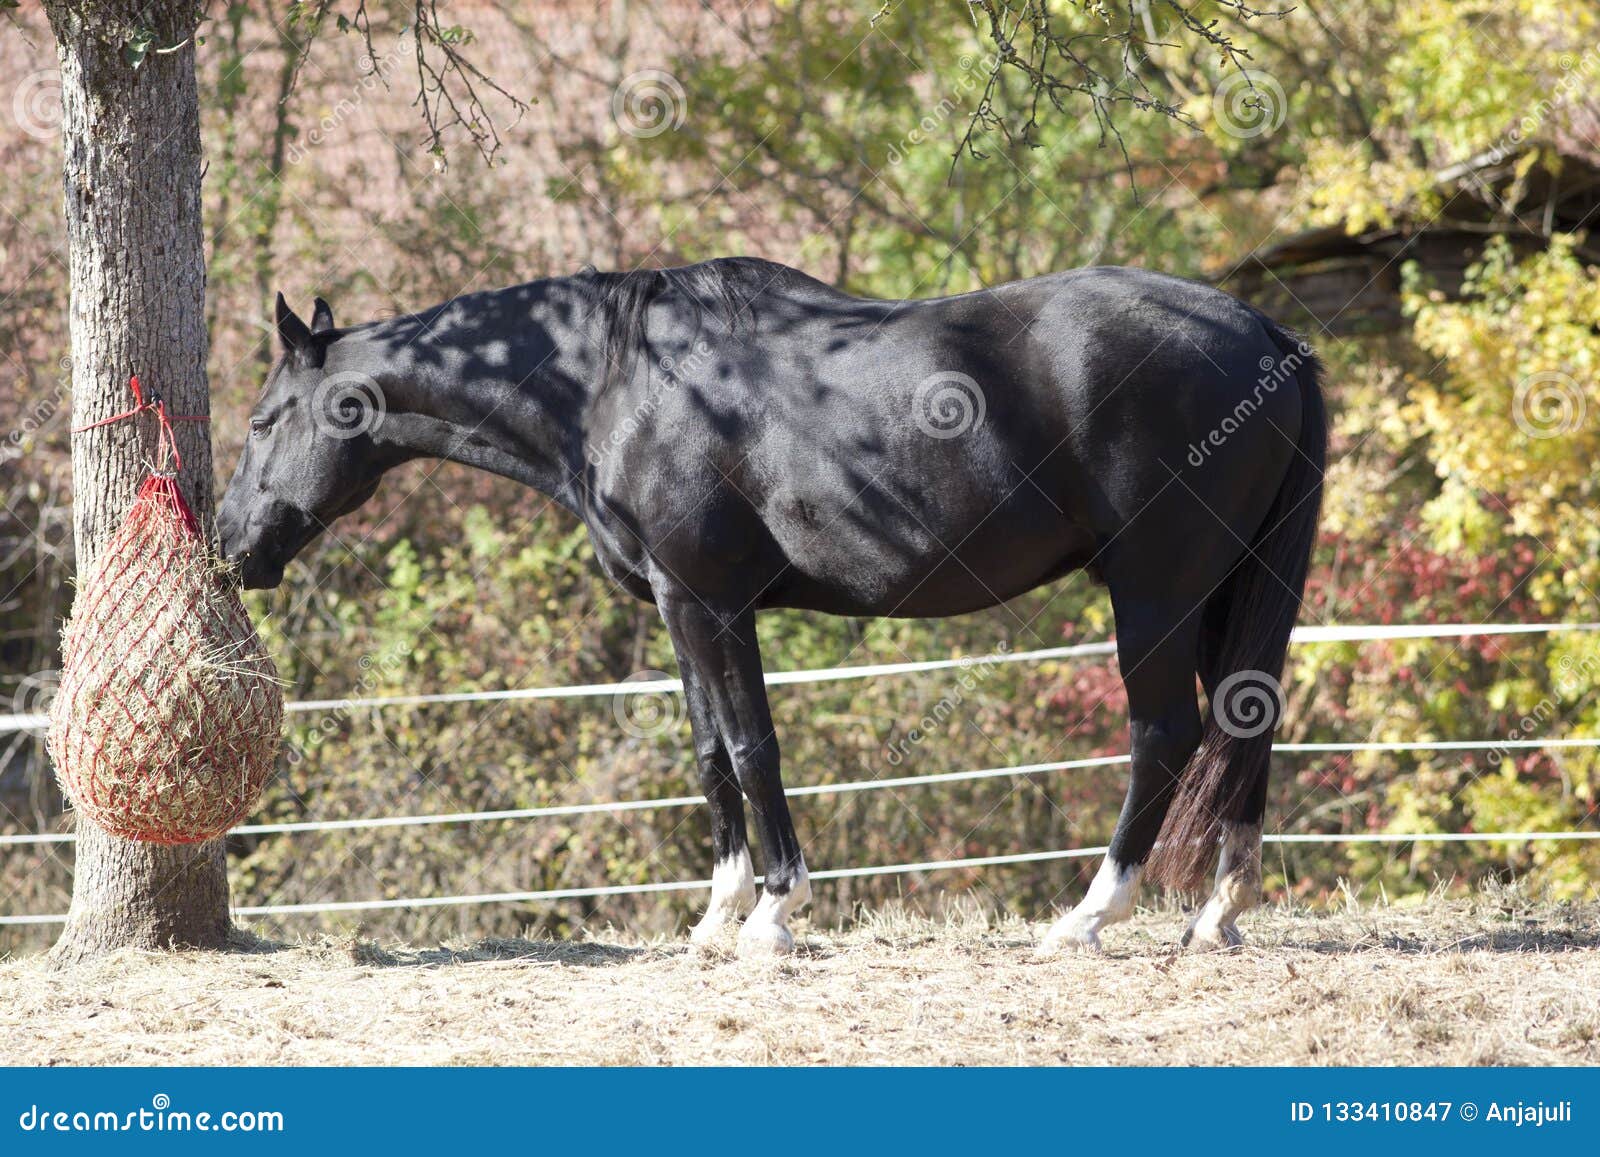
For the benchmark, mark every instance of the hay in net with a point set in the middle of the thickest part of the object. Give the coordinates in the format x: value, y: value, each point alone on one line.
x: 169, y: 716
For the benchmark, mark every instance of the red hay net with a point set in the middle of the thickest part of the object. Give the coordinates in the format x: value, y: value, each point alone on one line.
x: 168, y: 720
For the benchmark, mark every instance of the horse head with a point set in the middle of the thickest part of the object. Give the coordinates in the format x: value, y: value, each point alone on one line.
x: 310, y: 455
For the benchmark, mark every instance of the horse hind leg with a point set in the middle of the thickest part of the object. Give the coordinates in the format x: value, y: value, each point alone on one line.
x: 1237, y: 887
x: 1156, y: 649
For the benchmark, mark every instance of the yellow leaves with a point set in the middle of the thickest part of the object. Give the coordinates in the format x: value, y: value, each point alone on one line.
x: 1346, y: 185
x: 1411, y: 809
x: 1513, y: 411
x: 1456, y: 521
x: 1465, y: 74
x: 1447, y: 81
x: 1500, y: 802
x: 1355, y: 184
x: 1360, y: 491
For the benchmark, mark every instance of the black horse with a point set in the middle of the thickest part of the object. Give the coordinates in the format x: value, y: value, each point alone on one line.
x: 736, y: 436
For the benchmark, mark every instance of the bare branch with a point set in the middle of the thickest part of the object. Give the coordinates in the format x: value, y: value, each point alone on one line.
x: 449, y: 86
x: 451, y: 89
x: 1101, y: 56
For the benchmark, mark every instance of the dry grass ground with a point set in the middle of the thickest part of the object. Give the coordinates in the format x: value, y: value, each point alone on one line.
x: 1492, y: 980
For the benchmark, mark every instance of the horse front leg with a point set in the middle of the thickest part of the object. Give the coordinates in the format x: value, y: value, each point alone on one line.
x: 733, y: 877
x: 721, y: 661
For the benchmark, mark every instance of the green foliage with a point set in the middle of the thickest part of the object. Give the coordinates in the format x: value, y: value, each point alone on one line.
x: 837, y: 142
x: 860, y: 153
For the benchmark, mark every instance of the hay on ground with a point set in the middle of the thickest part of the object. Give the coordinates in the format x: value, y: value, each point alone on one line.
x: 1489, y: 981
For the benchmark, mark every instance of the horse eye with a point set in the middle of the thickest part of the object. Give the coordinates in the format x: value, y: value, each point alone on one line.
x: 259, y: 426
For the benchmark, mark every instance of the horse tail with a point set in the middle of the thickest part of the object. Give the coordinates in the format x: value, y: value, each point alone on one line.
x: 1247, y: 624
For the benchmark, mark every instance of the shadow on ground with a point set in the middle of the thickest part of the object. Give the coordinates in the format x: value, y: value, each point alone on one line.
x: 571, y: 953
x: 1484, y: 924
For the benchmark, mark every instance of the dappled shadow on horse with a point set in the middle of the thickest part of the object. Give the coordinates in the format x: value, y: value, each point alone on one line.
x: 737, y: 436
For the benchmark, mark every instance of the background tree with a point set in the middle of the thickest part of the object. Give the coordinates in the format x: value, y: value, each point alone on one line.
x: 132, y: 172
x: 131, y: 127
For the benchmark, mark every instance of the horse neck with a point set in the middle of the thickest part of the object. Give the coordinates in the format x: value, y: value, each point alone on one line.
x: 498, y: 381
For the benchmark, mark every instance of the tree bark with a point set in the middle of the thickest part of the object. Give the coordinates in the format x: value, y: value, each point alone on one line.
x: 131, y: 136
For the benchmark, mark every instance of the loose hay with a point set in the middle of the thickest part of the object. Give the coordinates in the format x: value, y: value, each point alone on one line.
x: 167, y: 723
x: 1447, y: 983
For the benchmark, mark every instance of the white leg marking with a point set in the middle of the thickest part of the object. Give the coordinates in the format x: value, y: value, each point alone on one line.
x: 1109, y: 900
x: 1238, y: 887
x: 767, y: 933
x: 733, y: 895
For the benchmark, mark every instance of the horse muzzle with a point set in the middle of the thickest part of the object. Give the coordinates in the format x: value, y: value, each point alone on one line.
x: 260, y: 545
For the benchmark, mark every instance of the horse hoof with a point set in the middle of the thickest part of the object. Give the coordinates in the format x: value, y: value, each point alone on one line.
x: 709, y: 933
x: 1209, y: 937
x: 764, y: 940
x: 1065, y: 936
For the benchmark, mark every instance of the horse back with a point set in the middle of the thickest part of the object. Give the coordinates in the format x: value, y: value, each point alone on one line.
x: 932, y: 457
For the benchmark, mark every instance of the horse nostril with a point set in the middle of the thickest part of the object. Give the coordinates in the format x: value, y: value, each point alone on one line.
x: 227, y: 538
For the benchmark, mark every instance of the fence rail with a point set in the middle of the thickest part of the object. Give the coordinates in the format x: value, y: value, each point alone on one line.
x: 834, y: 874
x: 678, y: 801
x: 1303, y: 635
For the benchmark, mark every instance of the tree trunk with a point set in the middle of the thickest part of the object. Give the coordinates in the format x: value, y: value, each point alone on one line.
x: 131, y: 136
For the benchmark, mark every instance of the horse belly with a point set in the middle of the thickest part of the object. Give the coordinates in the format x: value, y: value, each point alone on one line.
x: 892, y: 555
x: 992, y: 567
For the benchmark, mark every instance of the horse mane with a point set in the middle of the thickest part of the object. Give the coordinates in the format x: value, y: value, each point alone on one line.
x: 722, y: 290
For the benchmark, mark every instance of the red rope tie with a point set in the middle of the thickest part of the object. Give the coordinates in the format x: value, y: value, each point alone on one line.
x: 166, y: 439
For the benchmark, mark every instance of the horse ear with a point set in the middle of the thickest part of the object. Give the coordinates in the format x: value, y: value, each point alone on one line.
x: 321, y: 317
x: 292, y: 332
